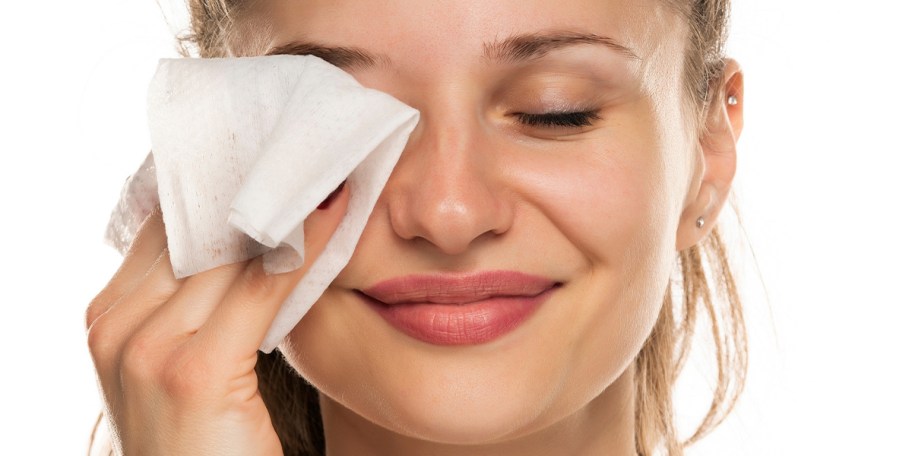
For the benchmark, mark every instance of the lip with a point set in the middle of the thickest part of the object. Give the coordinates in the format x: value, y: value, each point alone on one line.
x: 464, y: 309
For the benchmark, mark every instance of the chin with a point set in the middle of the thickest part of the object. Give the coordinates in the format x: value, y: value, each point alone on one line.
x: 456, y: 413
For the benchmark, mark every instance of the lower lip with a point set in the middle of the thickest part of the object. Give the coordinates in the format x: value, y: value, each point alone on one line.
x: 459, y: 324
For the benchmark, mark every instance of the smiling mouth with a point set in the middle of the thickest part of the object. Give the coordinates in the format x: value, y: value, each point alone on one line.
x: 458, y: 310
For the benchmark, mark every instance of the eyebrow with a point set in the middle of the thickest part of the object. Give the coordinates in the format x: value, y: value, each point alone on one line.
x: 340, y: 56
x: 518, y: 48
x: 514, y: 49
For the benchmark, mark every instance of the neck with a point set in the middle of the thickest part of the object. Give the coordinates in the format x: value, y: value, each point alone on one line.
x: 604, y: 426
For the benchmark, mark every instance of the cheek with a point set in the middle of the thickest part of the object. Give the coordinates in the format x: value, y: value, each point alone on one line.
x: 609, y: 200
x: 613, y: 201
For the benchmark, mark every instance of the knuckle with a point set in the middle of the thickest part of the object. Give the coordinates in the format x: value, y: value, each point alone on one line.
x: 184, y: 376
x: 180, y: 374
x: 140, y: 359
x: 102, y: 340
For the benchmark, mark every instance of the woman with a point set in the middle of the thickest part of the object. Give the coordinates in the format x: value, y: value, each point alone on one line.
x: 571, y: 162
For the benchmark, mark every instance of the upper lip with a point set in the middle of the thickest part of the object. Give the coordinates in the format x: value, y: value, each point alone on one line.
x: 457, y: 288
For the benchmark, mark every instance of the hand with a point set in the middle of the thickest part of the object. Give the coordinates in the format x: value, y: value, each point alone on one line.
x: 175, y: 358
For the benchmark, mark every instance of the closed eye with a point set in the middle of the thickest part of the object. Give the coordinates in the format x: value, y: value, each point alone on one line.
x: 558, y: 119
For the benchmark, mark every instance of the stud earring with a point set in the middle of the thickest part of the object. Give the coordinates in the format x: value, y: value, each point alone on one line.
x: 732, y: 100
x: 700, y: 222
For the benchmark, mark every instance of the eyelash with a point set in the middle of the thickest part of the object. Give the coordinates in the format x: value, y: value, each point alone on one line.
x: 559, y: 119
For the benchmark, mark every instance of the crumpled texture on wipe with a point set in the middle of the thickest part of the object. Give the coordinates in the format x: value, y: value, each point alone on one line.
x: 244, y: 149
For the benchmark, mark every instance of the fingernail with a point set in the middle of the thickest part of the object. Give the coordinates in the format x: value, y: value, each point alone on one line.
x: 329, y: 199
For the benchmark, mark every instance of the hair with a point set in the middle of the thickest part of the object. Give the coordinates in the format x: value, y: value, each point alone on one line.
x: 704, y: 283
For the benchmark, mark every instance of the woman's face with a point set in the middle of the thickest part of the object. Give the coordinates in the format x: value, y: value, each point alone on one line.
x: 592, y: 202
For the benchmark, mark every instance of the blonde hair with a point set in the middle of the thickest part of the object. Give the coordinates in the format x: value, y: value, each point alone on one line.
x: 217, y: 29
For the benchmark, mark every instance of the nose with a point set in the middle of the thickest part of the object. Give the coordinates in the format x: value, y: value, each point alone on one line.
x: 447, y: 189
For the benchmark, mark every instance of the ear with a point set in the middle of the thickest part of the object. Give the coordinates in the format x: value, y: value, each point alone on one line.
x: 715, y: 167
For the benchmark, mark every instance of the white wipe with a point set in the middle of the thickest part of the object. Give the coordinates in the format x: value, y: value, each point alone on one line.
x: 244, y: 149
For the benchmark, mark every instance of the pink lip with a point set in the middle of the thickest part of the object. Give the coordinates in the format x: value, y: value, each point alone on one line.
x: 458, y: 309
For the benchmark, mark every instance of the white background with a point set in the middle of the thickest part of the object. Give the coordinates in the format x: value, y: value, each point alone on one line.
x: 823, y: 187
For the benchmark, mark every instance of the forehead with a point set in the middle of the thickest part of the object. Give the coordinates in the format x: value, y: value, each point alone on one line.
x: 441, y: 32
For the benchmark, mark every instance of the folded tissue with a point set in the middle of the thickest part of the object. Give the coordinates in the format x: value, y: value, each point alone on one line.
x: 244, y: 149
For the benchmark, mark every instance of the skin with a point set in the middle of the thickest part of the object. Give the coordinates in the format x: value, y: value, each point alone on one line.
x: 602, y: 209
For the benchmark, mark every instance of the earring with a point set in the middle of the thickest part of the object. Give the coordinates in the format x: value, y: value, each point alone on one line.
x: 700, y: 222
x: 732, y: 100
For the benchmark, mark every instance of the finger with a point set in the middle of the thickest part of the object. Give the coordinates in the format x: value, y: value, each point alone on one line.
x: 110, y: 332
x: 147, y: 246
x: 239, y: 324
x: 190, y: 307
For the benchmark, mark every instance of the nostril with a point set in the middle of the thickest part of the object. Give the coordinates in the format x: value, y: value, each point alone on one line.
x: 448, y: 214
